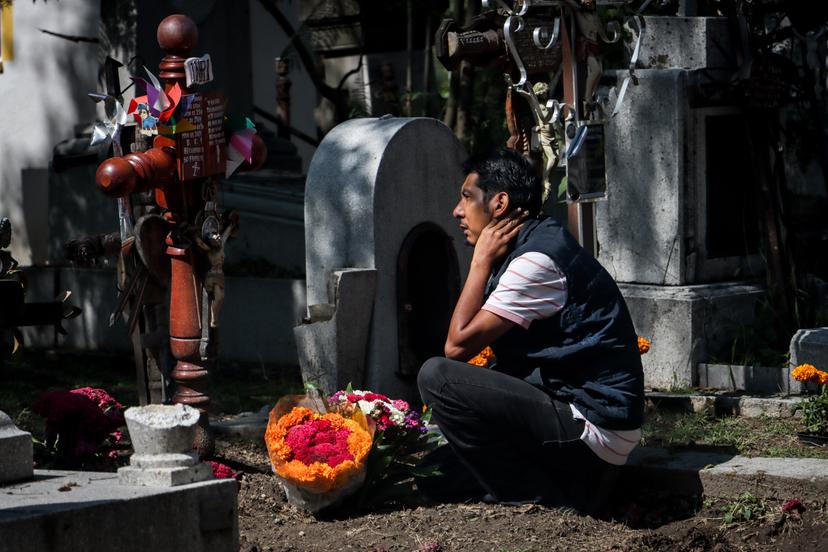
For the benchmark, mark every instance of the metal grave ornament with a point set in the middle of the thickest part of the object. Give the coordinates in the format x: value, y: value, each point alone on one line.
x: 586, y: 167
x: 199, y: 70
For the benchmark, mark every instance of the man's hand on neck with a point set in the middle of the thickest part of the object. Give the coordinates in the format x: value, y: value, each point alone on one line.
x: 471, y: 329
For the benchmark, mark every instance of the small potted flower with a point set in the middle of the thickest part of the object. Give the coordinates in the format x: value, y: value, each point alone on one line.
x: 815, y: 406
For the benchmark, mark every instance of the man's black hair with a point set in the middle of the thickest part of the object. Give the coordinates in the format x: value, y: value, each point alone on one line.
x: 504, y: 170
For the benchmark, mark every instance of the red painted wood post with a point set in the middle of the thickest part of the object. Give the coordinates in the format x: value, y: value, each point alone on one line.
x: 177, y: 190
x: 178, y: 35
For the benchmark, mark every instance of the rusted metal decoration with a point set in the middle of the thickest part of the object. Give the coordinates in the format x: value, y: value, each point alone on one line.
x: 181, y: 172
x: 531, y: 40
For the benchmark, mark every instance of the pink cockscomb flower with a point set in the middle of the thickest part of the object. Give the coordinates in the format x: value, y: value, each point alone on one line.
x: 317, y: 441
x: 223, y: 471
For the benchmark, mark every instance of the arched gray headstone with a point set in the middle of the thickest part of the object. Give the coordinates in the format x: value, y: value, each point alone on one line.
x: 369, y: 184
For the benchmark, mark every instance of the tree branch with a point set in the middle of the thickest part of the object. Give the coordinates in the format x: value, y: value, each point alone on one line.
x: 304, y: 55
x: 73, y: 38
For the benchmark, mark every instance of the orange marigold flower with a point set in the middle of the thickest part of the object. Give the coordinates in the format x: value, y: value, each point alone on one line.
x: 482, y: 358
x: 822, y: 377
x: 643, y: 345
x: 317, y: 476
x: 805, y: 372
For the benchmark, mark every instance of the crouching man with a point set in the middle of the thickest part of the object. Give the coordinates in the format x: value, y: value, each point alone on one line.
x: 564, y: 402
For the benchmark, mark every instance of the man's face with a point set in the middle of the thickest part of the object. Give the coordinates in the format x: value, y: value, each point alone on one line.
x: 472, y: 211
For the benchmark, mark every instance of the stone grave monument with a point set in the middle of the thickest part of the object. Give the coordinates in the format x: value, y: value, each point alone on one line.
x: 164, y: 501
x: 678, y: 232
x: 385, y: 259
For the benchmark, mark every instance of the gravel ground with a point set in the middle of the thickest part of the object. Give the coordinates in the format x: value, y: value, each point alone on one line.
x: 652, y: 523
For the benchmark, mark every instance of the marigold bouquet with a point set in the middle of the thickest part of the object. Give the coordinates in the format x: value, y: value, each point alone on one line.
x: 815, y: 406
x: 356, y: 443
x: 320, y: 456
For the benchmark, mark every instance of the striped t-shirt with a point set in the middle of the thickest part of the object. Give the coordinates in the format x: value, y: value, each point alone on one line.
x: 533, y: 287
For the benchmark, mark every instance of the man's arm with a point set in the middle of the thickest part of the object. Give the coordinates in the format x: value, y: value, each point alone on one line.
x: 471, y: 329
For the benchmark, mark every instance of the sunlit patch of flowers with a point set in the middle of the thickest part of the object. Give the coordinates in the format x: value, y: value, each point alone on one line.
x: 815, y: 406
x: 809, y: 373
x: 388, y: 414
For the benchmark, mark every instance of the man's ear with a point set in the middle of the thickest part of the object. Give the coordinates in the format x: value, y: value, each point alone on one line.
x: 500, y: 205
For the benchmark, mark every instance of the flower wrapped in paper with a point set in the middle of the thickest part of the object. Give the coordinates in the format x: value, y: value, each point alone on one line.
x: 402, y: 438
x: 388, y: 414
x: 320, y: 456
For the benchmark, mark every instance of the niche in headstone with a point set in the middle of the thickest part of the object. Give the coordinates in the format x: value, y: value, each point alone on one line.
x: 428, y: 285
x: 385, y: 258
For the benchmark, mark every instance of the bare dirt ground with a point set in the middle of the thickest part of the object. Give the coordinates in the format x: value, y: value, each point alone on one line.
x: 647, y: 523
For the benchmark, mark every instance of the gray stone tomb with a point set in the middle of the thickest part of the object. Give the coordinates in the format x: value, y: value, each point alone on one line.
x: 385, y: 259
x: 678, y: 231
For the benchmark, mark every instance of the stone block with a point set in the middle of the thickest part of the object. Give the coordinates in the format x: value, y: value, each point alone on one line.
x: 686, y: 43
x: 15, y: 452
x: 164, y: 477
x: 753, y: 379
x: 62, y: 511
x: 246, y: 334
x: 808, y: 346
x: 645, y: 176
x: 333, y: 345
x: 77, y: 207
x: 756, y: 407
x: 686, y: 324
x: 659, y: 220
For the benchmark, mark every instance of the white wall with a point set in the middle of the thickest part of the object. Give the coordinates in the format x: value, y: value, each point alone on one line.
x: 42, y: 98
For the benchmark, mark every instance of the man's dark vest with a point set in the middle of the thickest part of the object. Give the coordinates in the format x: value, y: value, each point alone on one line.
x: 587, y: 354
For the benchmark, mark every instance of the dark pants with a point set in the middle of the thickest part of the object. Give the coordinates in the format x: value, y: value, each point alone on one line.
x: 519, y: 444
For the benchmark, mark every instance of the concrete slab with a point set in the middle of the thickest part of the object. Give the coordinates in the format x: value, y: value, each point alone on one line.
x: 722, y: 405
x: 758, y: 380
x: 687, y: 324
x: 63, y: 511
x: 714, y: 474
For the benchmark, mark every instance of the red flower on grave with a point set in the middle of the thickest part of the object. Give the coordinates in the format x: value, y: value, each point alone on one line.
x: 222, y: 471
x: 793, y: 506
x: 74, y: 424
